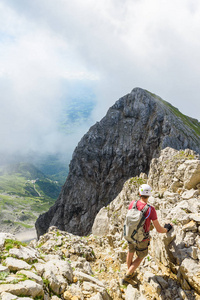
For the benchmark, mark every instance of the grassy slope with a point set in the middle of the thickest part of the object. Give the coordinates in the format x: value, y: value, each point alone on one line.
x: 25, y: 192
x: 192, y: 123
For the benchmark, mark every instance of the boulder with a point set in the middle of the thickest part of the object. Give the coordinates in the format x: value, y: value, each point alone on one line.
x: 25, y: 288
x: 101, y: 223
x: 9, y: 296
x: 31, y: 275
x: 58, y: 273
x: 26, y: 253
x: 189, y: 270
x: 191, y: 174
x: 86, y: 277
x: 15, y: 264
x: 131, y: 293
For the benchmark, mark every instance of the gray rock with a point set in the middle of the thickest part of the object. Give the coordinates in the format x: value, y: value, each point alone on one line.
x: 195, y: 217
x: 101, y: 224
x: 192, y: 174
x: 9, y: 296
x: 15, y: 264
x: 136, y: 128
x: 4, y: 236
x: 163, y: 283
x: 26, y: 288
x: 131, y: 293
x: 26, y: 253
x: 58, y: 273
x: 31, y: 275
x: 190, y: 271
x: 3, y: 269
x: 188, y: 194
x: 86, y: 277
x: 182, y: 294
x: 98, y: 296
x: 156, y: 285
x: 91, y: 288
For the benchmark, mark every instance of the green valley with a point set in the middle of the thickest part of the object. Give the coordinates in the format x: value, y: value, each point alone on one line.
x: 25, y: 192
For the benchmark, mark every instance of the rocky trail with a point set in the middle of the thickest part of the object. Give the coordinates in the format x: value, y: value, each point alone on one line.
x: 61, y: 265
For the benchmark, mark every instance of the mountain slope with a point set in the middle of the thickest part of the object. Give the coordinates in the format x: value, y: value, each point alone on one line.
x: 135, y: 129
x: 24, y: 193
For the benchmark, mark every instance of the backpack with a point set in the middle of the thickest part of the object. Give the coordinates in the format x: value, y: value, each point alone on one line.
x: 134, y: 224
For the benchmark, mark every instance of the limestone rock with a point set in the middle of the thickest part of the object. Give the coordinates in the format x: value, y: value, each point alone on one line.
x: 26, y: 253
x: 31, y: 275
x: 3, y: 269
x: 15, y: 264
x: 58, y: 273
x: 98, y: 296
x: 26, y: 288
x: 86, y: 277
x: 4, y: 236
x: 188, y: 194
x: 163, y: 283
x: 131, y: 293
x: 191, y: 226
x: 190, y: 271
x: 9, y: 296
x: 91, y: 288
x: 192, y: 174
x: 101, y: 224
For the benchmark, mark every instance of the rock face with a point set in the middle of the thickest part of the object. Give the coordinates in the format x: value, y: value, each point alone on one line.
x: 136, y: 128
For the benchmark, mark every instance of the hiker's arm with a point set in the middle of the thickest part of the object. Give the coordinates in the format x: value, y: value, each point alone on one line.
x: 158, y: 227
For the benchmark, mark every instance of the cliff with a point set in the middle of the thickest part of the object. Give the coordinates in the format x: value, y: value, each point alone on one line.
x: 135, y: 129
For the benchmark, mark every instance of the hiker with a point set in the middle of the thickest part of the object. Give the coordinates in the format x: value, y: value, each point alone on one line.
x: 141, y: 248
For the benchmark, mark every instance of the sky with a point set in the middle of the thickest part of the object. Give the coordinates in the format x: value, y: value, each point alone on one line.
x: 52, y: 51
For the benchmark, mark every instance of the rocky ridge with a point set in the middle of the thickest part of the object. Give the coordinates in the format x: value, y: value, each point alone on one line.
x: 135, y: 129
x: 66, y: 266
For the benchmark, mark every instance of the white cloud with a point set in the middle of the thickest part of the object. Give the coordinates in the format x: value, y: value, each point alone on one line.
x: 118, y: 45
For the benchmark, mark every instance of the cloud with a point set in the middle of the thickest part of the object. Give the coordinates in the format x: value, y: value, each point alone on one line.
x: 112, y: 46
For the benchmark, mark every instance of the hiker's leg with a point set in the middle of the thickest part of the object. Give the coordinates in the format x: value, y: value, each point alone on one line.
x: 129, y: 259
x: 141, y: 251
x: 135, y: 264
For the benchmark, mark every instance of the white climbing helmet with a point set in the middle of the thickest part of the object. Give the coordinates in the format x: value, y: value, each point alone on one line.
x: 145, y: 190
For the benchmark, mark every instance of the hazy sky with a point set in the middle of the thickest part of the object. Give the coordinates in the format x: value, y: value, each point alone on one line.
x: 51, y: 49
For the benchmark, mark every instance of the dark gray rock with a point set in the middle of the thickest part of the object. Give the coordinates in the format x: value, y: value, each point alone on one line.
x: 120, y: 146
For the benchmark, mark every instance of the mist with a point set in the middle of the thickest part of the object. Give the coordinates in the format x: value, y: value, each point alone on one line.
x: 55, y: 52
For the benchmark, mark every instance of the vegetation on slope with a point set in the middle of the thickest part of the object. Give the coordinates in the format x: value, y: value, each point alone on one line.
x: 192, y: 123
x: 25, y: 192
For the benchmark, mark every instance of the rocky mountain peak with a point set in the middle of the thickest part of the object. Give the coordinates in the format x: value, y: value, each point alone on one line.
x: 135, y: 129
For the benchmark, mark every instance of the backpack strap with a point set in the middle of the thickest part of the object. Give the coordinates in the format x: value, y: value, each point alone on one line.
x: 144, y: 210
x: 135, y: 204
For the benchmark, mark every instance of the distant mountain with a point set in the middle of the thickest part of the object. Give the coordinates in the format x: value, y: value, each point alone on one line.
x: 25, y: 170
x: 135, y: 129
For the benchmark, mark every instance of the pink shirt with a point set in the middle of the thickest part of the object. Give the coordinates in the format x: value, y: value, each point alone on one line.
x: 151, y: 214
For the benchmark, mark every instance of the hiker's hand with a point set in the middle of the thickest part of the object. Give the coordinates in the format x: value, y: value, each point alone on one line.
x: 168, y: 227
